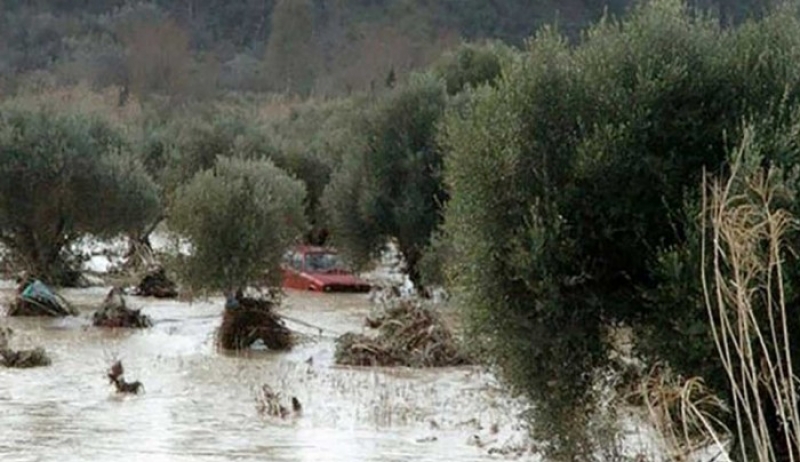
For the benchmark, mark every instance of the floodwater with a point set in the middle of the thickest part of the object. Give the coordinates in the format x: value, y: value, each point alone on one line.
x: 199, y: 404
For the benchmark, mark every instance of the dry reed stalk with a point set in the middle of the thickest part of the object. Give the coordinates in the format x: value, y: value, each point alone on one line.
x: 745, y: 301
x: 685, y: 413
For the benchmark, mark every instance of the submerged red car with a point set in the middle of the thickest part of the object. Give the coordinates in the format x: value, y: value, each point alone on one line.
x: 319, y: 269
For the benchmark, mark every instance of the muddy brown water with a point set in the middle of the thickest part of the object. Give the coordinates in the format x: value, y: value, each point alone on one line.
x: 199, y: 404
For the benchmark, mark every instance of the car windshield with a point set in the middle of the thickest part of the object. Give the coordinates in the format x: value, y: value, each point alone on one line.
x: 323, y: 262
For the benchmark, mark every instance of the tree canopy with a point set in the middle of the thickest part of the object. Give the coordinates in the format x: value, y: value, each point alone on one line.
x: 65, y: 175
x: 390, y: 185
x: 239, y: 216
x: 575, y: 186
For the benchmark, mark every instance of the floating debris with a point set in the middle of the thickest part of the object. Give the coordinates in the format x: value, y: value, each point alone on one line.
x: 410, y: 334
x: 5, y: 334
x: 115, y: 377
x: 268, y: 402
x: 248, y: 319
x: 156, y: 284
x: 114, y: 313
x: 36, y: 357
x: 34, y: 298
x: 20, y: 358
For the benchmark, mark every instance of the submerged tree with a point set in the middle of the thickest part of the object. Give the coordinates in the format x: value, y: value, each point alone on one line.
x: 61, y: 176
x: 240, y: 216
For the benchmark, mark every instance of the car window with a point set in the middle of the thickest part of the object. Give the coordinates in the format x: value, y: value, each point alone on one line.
x: 297, y: 261
x: 323, y: 261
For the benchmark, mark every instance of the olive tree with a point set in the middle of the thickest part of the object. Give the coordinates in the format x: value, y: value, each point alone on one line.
x: 239, y: 216
x: 574, y: 185
x: 61, y: 176
x: 390, y: 184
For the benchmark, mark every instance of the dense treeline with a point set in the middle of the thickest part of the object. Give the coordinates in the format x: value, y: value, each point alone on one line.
x: 199, y: 48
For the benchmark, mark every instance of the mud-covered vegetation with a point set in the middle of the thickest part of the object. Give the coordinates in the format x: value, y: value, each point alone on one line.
x: 247, y: 320
x: 156, y: 283
x: 9, y: 357
x: 409, y: 334
x: 115, y: 313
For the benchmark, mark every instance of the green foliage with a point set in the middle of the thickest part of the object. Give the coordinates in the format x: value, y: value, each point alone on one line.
x: 64, y: 175
x: 570, y: 183
x: 311, y: 142
x: 240, y: 216
x: 299, y: 46
x: 291, y: 55
x: 306, y: 145
x: 470, y: 66
x: 390, y: 184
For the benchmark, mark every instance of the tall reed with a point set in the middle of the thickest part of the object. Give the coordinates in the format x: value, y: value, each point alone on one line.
x: 743, y: 277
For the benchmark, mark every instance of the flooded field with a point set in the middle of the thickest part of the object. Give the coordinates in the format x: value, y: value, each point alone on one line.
x: 199, y: 403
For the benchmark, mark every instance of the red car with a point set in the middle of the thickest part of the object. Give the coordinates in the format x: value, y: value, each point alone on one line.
x: 319, y: 269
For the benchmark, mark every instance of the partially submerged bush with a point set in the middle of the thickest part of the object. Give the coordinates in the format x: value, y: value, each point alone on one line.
x: 115, y: 376
x: 114, y: 313
x: 156, y: 284
x: 20, y: 358
x: 269, y: 402
x: 410, y: 334
x: 36, y: 357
